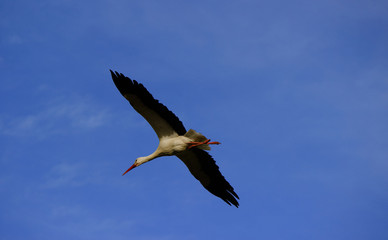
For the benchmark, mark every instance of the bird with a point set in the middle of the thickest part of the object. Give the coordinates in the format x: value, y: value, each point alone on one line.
x: 189, y: 146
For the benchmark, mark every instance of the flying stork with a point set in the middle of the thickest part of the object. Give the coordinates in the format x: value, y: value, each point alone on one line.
x: 188, y: 146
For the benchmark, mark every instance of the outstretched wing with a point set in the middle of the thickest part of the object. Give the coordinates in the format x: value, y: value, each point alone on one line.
x: 163, y: 121
x: 204, y: 168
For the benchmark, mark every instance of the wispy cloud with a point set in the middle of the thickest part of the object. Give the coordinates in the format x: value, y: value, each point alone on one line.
x: 14, y: 39
x: 78, y: 222
x: 65, y: 174
x: 79, y: 174
x: 58, y: 118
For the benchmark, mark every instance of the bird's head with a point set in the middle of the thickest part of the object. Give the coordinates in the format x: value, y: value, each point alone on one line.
x: 139, y: 161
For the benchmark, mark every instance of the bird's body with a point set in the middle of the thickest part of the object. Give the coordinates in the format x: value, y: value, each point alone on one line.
x: 188, y: 146
x: 168, y: 146
x: 172, y: 145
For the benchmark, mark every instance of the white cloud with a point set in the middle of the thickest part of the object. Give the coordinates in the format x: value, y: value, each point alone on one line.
x: 65, y: 174
x: 58, y: 118
x: 78, y: 222
x: 14, y: 39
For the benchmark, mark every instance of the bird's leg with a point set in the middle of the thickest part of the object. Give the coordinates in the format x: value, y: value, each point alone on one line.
x: 196, y: 144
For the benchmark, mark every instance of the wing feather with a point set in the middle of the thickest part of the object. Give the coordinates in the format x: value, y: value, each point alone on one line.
x: 162, y: 120
x: 203, y: 167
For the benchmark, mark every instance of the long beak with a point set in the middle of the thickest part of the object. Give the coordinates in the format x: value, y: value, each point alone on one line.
x: 129, y: 169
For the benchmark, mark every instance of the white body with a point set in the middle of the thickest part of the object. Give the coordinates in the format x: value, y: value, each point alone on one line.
x: 174, y: 144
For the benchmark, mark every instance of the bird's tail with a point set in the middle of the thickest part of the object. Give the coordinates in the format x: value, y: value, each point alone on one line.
x: 197, y: 137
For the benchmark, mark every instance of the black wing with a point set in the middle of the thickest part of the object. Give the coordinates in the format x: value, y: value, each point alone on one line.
x: 204, y: 168
x: 163, y: 121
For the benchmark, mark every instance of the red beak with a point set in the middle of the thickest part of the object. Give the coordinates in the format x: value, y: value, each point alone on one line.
x: 129, y: 169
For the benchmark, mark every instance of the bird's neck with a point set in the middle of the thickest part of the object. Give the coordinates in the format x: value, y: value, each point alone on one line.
x: 148, y: 158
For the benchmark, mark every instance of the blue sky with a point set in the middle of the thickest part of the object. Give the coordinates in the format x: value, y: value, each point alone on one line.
x: 296, y: 91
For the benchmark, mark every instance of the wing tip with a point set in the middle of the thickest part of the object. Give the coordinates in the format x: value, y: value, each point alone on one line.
x: 123, y: 83
x: 218, y: 186
x: 114, y: 74
x: 231, y: 199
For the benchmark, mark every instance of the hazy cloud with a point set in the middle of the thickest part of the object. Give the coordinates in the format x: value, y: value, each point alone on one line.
x: 65, y: 174
x: 57, y: 118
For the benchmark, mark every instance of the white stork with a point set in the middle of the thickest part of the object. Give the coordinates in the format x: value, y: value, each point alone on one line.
x: 188, y: 146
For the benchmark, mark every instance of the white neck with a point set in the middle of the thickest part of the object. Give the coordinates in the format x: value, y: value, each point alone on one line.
x: 148, y: 158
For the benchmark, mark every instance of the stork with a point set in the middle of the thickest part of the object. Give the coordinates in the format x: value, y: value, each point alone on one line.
x: 188, y: 146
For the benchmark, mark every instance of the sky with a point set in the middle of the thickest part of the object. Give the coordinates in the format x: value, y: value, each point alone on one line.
x: 296, y: 92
